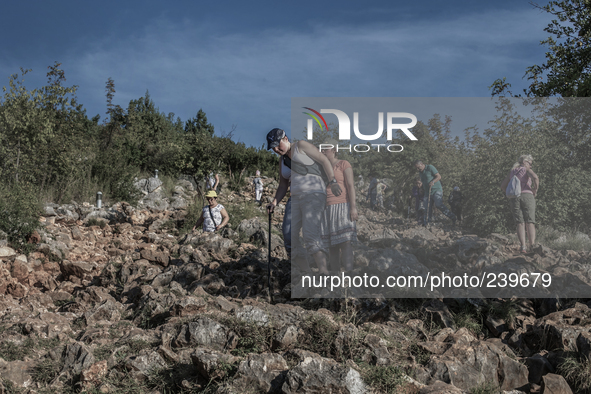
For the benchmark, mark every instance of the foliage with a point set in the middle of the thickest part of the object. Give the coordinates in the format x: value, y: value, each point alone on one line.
x: 384, y: 379
x: 252, y: 337
x: 49, y: 148
x: 320, y: 335
x: 504, y: 309
x: 577, y: 373
x: 558, y: 240
x: 47, y: 140
x: 486, y: 388
x: 19, y: 212
x: 46, y: 371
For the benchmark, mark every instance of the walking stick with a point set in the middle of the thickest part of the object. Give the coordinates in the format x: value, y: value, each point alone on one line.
x: 269, y: 261
x: 428, y: 203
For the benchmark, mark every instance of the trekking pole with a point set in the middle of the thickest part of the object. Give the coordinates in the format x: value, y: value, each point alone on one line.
x: 269, y: 264
x: 428, y: 203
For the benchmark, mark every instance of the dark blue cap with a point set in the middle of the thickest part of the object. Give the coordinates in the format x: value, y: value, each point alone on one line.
x: 273, y: 138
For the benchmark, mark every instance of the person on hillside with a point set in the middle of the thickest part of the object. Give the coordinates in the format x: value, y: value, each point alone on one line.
x: 338, y: 226
x: 418, y: 193
x: 214, y: 216
x: 212, y: 181
x: 523, y: 207
x: 258, y: 187
x: 455, y: 202
x: 380, y: 189
x: 361, y: 182
x: 372, y: 193
x: 299, y: 171
x: 430, y: 178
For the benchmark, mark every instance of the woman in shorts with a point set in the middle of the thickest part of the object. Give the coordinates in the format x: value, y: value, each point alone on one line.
x: 523, y: 207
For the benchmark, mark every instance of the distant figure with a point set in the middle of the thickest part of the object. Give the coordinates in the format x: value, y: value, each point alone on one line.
x: 360, y: 183
x: 214, y: 216
x: 419, y: 195
x: 212, y: 181
x: 455, y: 202
x: 523, y: 207
x: 431, y: 178
x: 372, y: 192
x: 380, y: 189
x: 258, y: 187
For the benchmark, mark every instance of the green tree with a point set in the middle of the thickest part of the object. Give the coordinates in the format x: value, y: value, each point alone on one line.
x: 199, y: 125
x: 567, y: 70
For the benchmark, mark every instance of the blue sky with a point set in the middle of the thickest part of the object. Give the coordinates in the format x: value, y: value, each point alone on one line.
x: 242, y: 62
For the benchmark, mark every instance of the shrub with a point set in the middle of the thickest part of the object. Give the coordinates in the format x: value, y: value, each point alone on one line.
x: 252, y: 338
x: 19, y: 213
x: 96, y: 222
x: 577, y: 373
x: 384, y: 379
x: 486, y: 388
x: 46, y: 371
x: 570, y: 240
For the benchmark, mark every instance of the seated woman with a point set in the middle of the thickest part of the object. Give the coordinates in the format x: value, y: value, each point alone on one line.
x: 214, y: 215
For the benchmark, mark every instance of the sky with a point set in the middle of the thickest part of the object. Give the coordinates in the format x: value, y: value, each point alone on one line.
x: 242, y: 62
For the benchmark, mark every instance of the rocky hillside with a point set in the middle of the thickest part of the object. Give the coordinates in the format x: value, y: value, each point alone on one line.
x: 118, y: 300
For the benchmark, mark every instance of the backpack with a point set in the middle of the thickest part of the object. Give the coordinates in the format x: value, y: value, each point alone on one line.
x: 302, y: 169
x: 513, y: 188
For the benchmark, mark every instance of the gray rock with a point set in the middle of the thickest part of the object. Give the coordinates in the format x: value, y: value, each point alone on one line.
x: 178, y: 203
x: 108, y: 312
x: 188, y: 306
x: 555, y: 384
x: 265, y: 372
x: 468, y: 365
x: 316, y: 374
x: 76, y: 268
x: 203, y: 332
x: 211, y: 242
x: 248, y: 227
x: 77, y: 357
x: 253, y: 314
x: 6, y: 252
x: 439, y: 313
x: 17, y: 372
x: 146, y: 362
x: 212, y: 364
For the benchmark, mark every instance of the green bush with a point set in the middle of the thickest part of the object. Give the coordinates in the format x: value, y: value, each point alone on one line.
x: 19, y: 213
x: 577, y: 373
x: 486, y: 388
x: 563, y: 240
x: 384, y: 379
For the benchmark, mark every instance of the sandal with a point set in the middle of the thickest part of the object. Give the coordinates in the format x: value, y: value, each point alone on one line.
x: 523, y: 249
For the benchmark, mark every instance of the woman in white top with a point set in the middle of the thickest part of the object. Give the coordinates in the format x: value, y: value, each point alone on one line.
x: 214, y: 215
x: 297, y: 166
x: 258, y: 186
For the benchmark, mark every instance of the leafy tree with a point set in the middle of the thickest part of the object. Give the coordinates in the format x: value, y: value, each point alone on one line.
x: 567, y: 70
x: 199, y: 125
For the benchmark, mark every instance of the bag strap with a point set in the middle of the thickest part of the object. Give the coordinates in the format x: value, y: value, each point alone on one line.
x: 212, y: 219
